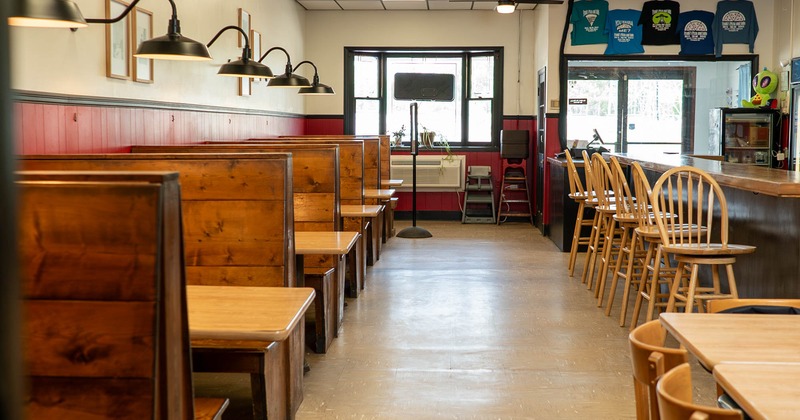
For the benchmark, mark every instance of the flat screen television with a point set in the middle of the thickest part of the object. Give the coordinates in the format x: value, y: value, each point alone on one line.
x: 423, y: 87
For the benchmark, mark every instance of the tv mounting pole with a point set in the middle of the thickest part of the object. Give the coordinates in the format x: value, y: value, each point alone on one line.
x: 414, y: 232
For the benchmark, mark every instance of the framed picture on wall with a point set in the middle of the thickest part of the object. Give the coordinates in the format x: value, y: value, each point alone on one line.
x: 255, y: 45
x: 118, y: 42
x: 244, y: 23
x: 142, y: 31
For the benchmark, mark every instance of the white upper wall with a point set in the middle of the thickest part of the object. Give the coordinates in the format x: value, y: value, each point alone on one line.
x: 73, y: 63
x: 328, y: 33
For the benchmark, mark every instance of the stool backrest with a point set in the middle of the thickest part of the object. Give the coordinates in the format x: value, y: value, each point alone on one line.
x: 688, y: 196
x: 650, y: 361
x: 675, y: 399
x: 602, y: 180
x: 642, y: 191
x: 575, y: 184
x: 624, y: 201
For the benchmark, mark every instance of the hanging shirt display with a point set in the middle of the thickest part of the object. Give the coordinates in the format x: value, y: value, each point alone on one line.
x: 659, y: 22
x: 735, y: 23
x: 624, y: 33
x: 694, y: 29
x: 588, y: 20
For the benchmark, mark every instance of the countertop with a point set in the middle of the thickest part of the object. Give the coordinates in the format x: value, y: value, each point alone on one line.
x: 756, y: 179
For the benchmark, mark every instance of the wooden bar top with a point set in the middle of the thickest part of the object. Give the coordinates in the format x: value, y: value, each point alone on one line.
x: 236, y: 313
x: 718, y: 338
x: 383, y: 194
x: 372, y: 210
x: 327, y: 242
x: 763, y: 390
x: 756, y: 179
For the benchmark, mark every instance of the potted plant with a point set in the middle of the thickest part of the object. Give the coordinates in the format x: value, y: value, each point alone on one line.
x: 427, y: 137
x: 397, y: 136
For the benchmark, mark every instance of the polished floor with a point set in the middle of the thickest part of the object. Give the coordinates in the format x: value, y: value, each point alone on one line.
x: 478, y: 322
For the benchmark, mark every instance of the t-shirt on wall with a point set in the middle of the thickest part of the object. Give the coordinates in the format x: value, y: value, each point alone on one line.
x: 735, y: 23
x: 624, y: 33
x: 659, y: 21
x: 694, y: 29
x: 588, y: 20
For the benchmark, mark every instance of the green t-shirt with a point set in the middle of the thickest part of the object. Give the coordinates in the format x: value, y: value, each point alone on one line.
x: 588, y: 21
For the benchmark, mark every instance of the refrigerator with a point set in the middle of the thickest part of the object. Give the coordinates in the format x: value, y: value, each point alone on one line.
x: 794, y: 114
x: 746, y: 135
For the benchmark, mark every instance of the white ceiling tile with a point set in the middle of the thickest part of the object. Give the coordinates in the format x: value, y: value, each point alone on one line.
x: 484, y: 5
x: 446, y: 5
x: 361, y: 4
x: 405, y: 5
x: 319, y: 4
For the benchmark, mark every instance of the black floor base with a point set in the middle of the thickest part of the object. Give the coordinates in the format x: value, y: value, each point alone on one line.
x: 414, y: 232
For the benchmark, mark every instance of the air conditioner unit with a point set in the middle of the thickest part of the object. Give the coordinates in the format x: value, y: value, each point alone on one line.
x: 434, y: 172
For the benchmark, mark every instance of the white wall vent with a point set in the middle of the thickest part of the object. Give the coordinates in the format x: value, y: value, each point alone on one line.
x: 434, y: 172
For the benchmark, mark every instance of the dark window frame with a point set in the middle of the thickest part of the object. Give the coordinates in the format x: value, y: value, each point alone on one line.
x: 382, y: 54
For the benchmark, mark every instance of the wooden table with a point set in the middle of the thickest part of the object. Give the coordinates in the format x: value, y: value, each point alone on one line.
x: 255, y: 330
x: 392, y: 183
x: 372, y: 242
x: 387, y: 215
x: 762, y: 390
x: 717, y: 338
x: 327, y: 243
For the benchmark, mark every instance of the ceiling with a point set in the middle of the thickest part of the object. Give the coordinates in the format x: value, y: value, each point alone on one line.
x: 402, y: 5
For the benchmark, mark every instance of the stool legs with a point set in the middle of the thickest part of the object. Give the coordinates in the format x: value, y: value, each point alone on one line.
x: 576, y: 238
x: 590, y: 251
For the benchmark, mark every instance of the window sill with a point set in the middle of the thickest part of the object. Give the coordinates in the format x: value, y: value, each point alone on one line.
x: 476, y: 148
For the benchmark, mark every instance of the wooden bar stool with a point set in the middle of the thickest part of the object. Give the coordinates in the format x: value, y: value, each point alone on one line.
x: 602, y: 207
x: 585, y: 203
x: 611, y: 234
x: 692, y: 248
x: 630, y: 255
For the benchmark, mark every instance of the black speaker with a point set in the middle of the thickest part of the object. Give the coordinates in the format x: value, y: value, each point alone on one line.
x: 424, y: 87
x: 514, y: 144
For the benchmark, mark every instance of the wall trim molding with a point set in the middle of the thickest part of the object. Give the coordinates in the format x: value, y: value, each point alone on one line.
x: 99, y: 101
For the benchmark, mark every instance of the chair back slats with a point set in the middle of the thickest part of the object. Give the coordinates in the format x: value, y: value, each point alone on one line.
x: 575, y: 184
x: 603, y: 180
x: 675, y: 398
x: 624, y: 201
x: 687, y: 196
x: 642, y: 192
x: 650, y: 361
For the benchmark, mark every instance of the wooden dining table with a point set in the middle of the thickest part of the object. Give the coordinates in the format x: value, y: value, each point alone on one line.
x: 255, y: 330
x: 762, y: 390
x: 379, y: 194
x: 717, y: 338
x: 338, y: 244
x: 372, y: 233
x: 392, y: 183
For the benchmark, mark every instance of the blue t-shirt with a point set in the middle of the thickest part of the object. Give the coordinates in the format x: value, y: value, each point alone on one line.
x: 694, y: 29
x: 735, y: 23
x: 624, y: 32
x: 588, y: 21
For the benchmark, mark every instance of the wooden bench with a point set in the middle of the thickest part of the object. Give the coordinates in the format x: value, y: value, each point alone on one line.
x: 237, y: 226
x: 315, y: 185
x: 106, y: 331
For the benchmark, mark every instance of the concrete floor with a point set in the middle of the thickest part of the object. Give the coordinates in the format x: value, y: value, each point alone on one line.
x: 478, y: 322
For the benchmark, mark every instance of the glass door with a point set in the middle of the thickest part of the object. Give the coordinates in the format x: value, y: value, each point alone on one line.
x: 654, y: 116
x: 593, y: 104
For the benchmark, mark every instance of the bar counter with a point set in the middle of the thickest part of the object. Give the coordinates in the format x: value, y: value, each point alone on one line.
x: 763, y: 211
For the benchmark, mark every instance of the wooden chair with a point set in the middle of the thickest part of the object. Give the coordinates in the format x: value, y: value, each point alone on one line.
x: 650, y: 361
x: 675, y: 399
x: 654, y: 273
x: 695, y: 247
x: 718, y: 305
x: 598, y: 191
x: 611, y: 235
x: 581, y: 196
x: 631, y: 252
x: 106, y: 326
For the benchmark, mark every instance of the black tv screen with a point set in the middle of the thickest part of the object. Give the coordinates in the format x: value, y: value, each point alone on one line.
x: 423, y: 87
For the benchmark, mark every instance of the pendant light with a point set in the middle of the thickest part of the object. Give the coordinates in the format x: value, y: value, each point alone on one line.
x: 288, y: 79
x: 245, y: 66
x: 316, y: 87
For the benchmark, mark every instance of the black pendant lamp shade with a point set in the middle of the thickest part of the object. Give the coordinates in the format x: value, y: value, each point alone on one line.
x: 245, y: 66
x: 316, y: 87
x: 288, y: 79
x: 46, y: 14
x: 173, y: 46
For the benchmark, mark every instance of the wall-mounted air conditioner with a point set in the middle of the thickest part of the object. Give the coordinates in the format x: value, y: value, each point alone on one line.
x: 434, y: 172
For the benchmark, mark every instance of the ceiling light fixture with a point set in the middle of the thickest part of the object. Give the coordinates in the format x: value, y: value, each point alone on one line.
x: 506, y: 6
x: 288, y: 79
x: 244, y: 66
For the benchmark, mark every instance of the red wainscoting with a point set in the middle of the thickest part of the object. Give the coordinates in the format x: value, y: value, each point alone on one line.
x: 59, y: 129
x: 324, y: 124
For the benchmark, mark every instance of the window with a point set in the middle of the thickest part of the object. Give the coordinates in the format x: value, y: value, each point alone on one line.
x: 472, y: 119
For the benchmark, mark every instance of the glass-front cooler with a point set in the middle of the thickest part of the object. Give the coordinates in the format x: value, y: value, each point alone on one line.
x: 747, y: 135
